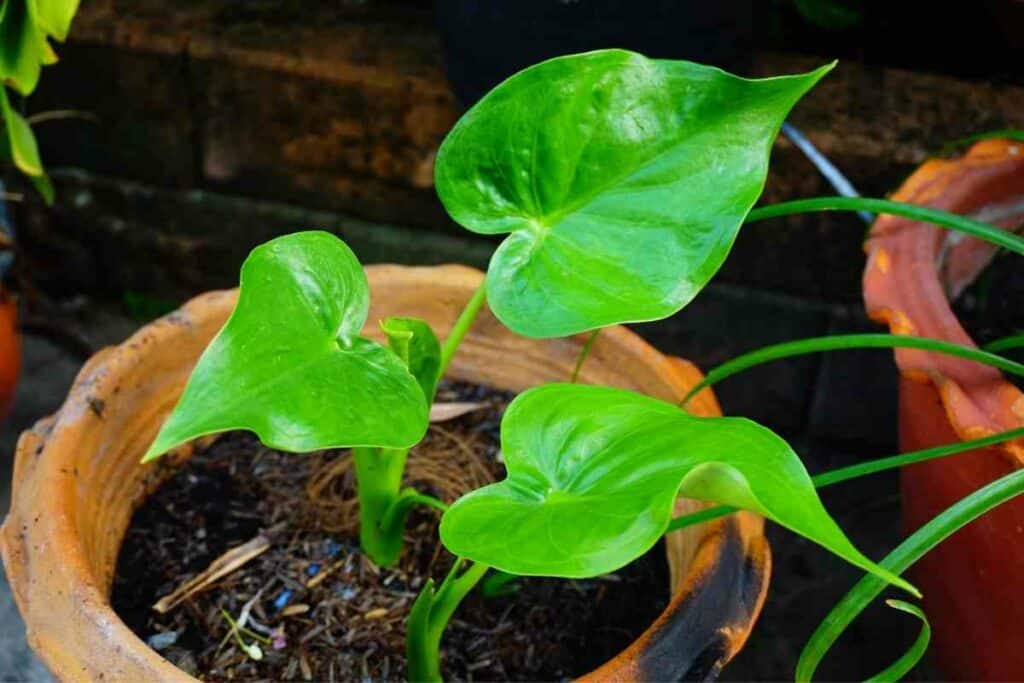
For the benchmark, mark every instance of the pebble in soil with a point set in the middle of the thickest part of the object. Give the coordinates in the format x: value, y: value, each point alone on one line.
x: 320, y: 610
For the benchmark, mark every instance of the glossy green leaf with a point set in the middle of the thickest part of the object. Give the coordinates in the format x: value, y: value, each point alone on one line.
x: 622, y: 182
x: 594, y: 472
x: 416, y: 344
x: 290, y: 365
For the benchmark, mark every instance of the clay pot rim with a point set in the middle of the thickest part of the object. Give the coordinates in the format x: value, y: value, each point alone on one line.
x: 911, y: 264
x: 736, y: 542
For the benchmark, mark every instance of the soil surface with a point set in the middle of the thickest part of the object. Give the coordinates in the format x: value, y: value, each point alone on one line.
x: 993, y: 306
x: 320, y: 609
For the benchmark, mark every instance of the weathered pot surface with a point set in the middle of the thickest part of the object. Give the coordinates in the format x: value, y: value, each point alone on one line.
x: 971, y: 581
x: 77, y: 481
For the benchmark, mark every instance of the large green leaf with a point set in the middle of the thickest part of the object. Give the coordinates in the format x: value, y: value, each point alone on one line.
x: 622, y: 182
x: 290, y: 365
x: 594, y: 472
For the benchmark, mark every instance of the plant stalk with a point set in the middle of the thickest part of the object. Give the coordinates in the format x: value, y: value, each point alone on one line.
x: 430, y: 615
x: 584, y: 352
x: 378, y: 485
x: 462, y: 325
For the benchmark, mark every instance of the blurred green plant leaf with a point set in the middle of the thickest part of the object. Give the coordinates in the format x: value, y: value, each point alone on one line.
x: 53, y: 17
x: 622, y: 182
x: 417, y: 346
x: 23, y: 46
x: 19, y: 146
x: 594, y: 472
x: 290, y: 365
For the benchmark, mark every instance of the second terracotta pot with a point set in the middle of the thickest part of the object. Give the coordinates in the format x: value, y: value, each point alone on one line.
x: 972, y: 581
x: 77, y: 481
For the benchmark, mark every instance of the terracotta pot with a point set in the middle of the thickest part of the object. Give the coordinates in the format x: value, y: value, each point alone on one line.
x: 10, y: 351
x: 77, y: 481
x: 972, y: 581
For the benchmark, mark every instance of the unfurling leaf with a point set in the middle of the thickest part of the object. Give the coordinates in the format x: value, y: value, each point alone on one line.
x: 290, y: 365
x: 594, y: 472
x: 622, y: 182
x: 417, y: 346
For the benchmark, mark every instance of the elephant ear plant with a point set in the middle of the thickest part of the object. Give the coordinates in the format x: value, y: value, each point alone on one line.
x: 621, y: 183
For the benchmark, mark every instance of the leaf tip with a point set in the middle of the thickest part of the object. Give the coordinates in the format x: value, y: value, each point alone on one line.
x: 159, y: 447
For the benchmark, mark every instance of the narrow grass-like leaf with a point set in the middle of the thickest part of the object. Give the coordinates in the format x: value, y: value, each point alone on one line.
x: 909, y: 551
x: 925, y: 214
x: 909, y: 659
x: 1005, y: 344
x: 840, y: 342
x: 1005, y: 134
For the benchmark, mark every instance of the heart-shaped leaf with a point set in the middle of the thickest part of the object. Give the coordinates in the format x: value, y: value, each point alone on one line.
x: 594, y: 472
x: 290, y: 365
x: 622, y: 182
x: 416, y: 344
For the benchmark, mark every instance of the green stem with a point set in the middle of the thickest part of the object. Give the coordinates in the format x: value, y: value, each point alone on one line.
x: 498, y: 584
x: 920, y: 542
x: 1005, y: 344
x: 1006, y: 133
x: 378, y: 485
x: 394, y: 517
x: 584, y: 352
x: 430, y: 615
x: 861, y: 469
x: 849, y: 341
x: 925, y: 214
x: 462, y: 325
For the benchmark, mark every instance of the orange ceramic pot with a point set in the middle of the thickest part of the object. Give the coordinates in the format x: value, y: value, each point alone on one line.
x: 77, y: 480
x: 972, y: 582
x: 10, y: 350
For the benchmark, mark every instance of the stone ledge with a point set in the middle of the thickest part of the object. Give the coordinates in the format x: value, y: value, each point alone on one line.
x: 342, y: 107
x: 107, y: 236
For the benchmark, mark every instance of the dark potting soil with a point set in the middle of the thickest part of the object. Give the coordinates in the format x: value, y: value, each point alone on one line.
x: 325, y: 612
x: 992, y: 307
